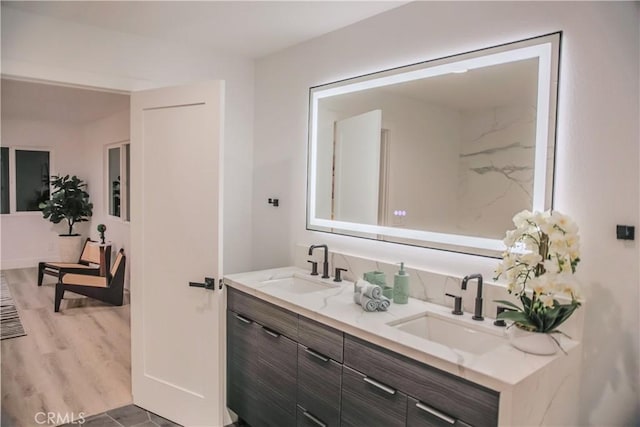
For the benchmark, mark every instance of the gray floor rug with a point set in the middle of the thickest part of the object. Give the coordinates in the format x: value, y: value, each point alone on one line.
x: 10, y: 325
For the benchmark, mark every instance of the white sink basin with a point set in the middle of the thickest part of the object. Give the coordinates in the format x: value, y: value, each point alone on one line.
x: 298, y: 284
x: 457, y: 336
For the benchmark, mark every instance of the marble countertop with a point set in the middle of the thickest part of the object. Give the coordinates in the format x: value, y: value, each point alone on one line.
x: 499, y: 368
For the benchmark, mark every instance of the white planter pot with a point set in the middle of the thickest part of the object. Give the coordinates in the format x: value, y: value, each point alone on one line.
x: 70, y: 247
x: 532, y: 342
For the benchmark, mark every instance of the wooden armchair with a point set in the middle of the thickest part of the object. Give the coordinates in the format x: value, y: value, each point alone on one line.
x: 94, y: 259
x: 108, y: 288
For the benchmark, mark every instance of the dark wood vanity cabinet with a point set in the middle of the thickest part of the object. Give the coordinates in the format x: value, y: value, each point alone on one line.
x: 320, y: 351
x: 420, y: 414
x: 242, y: 367
x: 321, y: 338
x: 319, y: 387
x: 453, y: 397
x: 262, y: 361
x: 286, y: 370
x: 367, y: 402
x: 275, y: 318
x: 277, y: 378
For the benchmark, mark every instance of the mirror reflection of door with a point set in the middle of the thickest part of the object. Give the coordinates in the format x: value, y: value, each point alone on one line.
x: 383, y: 203
x: 356, y: 168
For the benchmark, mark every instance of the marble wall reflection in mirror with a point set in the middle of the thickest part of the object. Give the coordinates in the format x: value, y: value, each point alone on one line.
x: 440, y: 154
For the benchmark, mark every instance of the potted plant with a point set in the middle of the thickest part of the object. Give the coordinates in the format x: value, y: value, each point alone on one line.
x: 70, y: 202
x: 539, y: 263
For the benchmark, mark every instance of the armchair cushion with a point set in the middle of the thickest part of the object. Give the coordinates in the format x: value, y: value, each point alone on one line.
x: 71, y: 265
x: 84, y: 280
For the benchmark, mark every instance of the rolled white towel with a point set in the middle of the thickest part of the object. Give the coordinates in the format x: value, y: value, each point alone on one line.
x: 368, y: 304
x: 356, y: 297
x: 384, y: 303
x: 373, y: 291
x: 368, y: 289
x: 360, y: 283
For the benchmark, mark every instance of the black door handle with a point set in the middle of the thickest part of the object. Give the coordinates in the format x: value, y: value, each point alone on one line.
x: 209, y: 283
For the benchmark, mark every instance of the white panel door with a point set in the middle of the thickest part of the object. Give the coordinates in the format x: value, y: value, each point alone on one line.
x: 357, y: 168
x: 176, y: 238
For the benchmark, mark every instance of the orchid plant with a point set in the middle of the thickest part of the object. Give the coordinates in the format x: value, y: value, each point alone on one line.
x: 539, y: 264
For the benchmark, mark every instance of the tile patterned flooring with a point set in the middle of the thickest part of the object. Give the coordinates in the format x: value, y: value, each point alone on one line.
x: 126, y: 416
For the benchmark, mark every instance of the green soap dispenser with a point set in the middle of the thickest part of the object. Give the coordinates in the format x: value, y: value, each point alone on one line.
x: 401, y: 286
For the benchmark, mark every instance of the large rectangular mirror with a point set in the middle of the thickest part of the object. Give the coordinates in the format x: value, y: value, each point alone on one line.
x: 439, y: 154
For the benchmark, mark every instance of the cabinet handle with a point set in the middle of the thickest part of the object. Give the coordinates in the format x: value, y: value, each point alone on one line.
x: 316, y: 355
x: 270, y: 332
x: 243, y: 319
x: 314, y: 419
x: 435, y: 413
x: 381, y: 386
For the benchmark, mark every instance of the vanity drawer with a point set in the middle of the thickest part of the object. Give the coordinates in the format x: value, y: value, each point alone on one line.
x: 421, y: 415
x: 451, y: 395
x: 307, y: 418
x: 367, y: 402
x: 275, y: 318
x: 321, y: 338
x: 319, y: 384
x: 243, y: 392
x: 277, y: 373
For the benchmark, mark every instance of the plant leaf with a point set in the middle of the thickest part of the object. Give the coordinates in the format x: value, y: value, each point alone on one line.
x: 508, y: 304
x: 516, y: 316
x: 68, y: 201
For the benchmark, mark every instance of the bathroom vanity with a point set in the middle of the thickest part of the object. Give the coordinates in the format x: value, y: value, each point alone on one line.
x: 300, y: 352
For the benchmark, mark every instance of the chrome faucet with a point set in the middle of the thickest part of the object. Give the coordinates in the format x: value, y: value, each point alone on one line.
x: 325, y: 264
x: 477, y: 314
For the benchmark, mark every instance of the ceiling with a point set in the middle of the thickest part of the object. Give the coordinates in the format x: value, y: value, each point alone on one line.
x: 246, y: 28
x: 37, y: 101
x: 249, y: 29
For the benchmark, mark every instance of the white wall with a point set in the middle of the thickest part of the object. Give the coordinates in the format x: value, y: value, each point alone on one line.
x: 49, y: 49
x: 97, y: 135
x: 597, y: 180
x: 27, y: 237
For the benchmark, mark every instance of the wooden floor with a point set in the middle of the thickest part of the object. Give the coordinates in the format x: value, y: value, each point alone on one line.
x: 77, y: 360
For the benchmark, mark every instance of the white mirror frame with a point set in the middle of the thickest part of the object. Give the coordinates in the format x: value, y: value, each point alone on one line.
x: 544, y: 48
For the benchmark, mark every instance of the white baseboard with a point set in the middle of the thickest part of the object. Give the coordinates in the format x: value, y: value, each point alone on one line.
x: 10, y: 264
